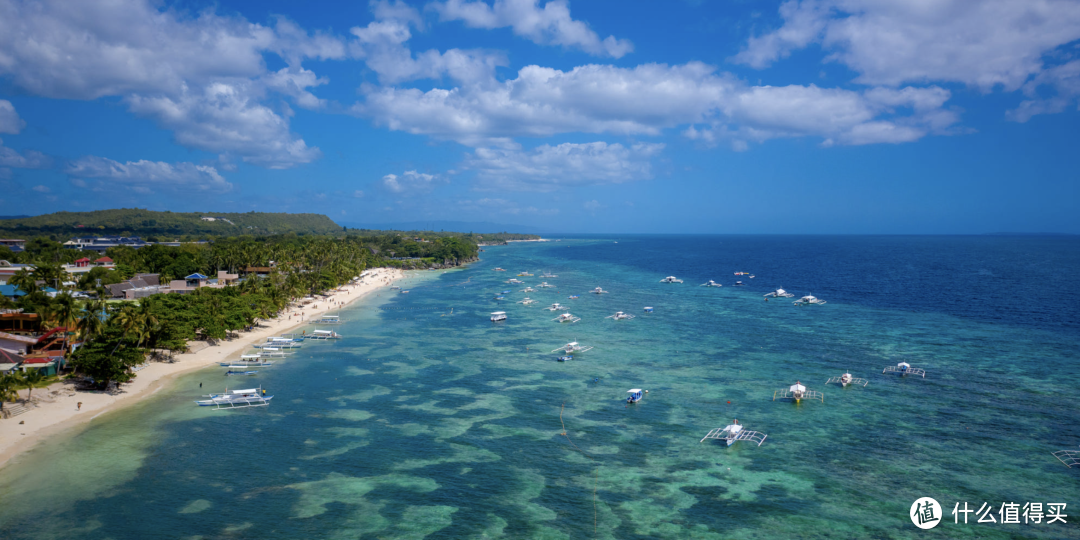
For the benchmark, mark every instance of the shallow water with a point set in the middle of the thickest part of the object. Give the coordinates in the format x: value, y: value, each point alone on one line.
x: 429, y: 420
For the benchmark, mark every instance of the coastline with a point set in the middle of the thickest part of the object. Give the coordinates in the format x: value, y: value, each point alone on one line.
x: 59, y: 411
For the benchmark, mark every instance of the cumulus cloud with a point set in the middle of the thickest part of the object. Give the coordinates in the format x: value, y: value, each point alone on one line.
x: 892, y: 42
x: 547, y: 25
x: 546, y: 167
x: 412, y: 182
x: 28, y: 159
x: 1063, y: 79
x: 41, y: 189
x: 646, y: 99
x: 226, y: 118
x: 163, y: 63
x: 148, y: 176
x: 9, y: 119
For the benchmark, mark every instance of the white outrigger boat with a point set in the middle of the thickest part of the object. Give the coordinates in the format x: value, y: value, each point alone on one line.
x: 847, y: 379
x: 671, y: 279
x: 526, y: 301
x: 328, y: 319
x: 635, y: 395
x: 497, y: 269
x: 572, y: 348
x: 237, y: 399
x: 1071, y: 458
x: 525, y: 274
x: 710, y: 283
x: 273, y: 352
x: 735, y: 432
x: 528, y: 289
x: 779, y: 293
x: 323, y: 334
x: 549, y: 275
x: 567, y: 317
x: 247, y: 361
x: 281, y: 343
x: 555, y: 307
x: 497, y: 316
x: 598, y: 290
x: 231, y: 372
x: 545, y: 285
x: 797, y: 392
x: 809, y: 300
x: 904, y: 368
x: 515, y: 281
x: 620, y: 315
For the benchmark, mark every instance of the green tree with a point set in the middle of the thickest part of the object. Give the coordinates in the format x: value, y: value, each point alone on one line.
x: 31, y: 378
x: 108, y: 358
x: 8, y: 385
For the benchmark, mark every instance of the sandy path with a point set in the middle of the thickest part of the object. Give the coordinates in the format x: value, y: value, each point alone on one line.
x: 59, y: 408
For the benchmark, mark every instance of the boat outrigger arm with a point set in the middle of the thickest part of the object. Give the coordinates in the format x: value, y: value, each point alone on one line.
x: 733, y: 433
x: 903, y: 368
x: 840, y: 380
x: 798, y: 392
x: 1071, y: 458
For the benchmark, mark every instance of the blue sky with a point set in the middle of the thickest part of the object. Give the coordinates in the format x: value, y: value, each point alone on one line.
x: 803, y: 116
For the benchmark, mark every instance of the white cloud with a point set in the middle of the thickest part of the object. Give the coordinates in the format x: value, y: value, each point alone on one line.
x: 382, y: 46
x: 41, y: 189
x: 412, y: 182
x: 358, y: 194
x: 9, y: 119
x: 29, y: 159
x: 147, y: 176
x: 592, y: 205
x: 547, y: 25
x: 546, y: 167
x: 1064, y: 79
x: 398, y: 11
x: 891, y: 42
x: 647, y: 99
x: 227, y: 118
x: 170, y: 66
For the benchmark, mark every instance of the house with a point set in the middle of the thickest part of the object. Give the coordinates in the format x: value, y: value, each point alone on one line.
x: 102, y: 243
x: 198, y: 281
x: 9, y: 362
x: 8, y: 269
x: 13, y: 291
x: 104, y: 261
x: 85, y: 265
x: 139, y: 286
x: 14, y: 245
x: 82, y: 263
x: 14, y: 321
x: 16, y: 343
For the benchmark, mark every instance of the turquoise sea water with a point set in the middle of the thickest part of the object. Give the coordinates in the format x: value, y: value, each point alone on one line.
x: 430, y: 421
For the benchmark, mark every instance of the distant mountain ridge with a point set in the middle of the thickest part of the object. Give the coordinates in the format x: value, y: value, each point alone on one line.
x: 139, y: 222
x: 456, y: 226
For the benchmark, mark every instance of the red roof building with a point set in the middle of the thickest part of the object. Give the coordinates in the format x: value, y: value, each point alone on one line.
x: 82, y: 262
x: 104, y: 261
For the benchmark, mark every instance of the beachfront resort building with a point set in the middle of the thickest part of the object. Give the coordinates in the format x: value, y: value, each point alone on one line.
x: 102, y: 243
x: 9, y: 269
x: 14, y: 245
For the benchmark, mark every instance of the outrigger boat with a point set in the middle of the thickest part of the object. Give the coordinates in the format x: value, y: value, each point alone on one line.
x: 742, y: 273
x: 735, y: 432
x: 515, y: 281
x: 573, y: 297
x: 779, y: 293
x: 797, y: 392
x: 497, y: 269
x: 670, y: 279
x: 635, y: 395
x: 565, y: 358
x: 620, y: 315
x: 847, y: 379
x: 555, y: 307
x: 648, y: 309
x: 281, y: 343
x: 548, y: 275
x: 809, y: 300
x: 738, y: 284
x: 527, y: 289
x: 1071, y: 458
x: 525, y: 274
x: 324, y: 334
x: 231, y: 372
x: 545, y: 285
x: 598, y: 290
x: 904, y: 368
x: 247, y: 361
x: 710, y: 283
x: 329, y: 319
x: 567, y: 317
x: 573, y: 348
x: 526, y: 301
x: 497, y: 316
x: 272, y: 352
x: 237, y: 399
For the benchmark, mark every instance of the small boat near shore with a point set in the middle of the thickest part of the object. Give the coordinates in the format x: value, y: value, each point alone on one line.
x: 323, y: 334
x: 635, y: 395
x: 231, y: 372
x: 779, y: 293
x: 671, y: 279
x: 735, y: 432
x: 710, y: 283
x: 497, y: 316
x: 809, y: 300
x: 555, y: 307
x: 573, y: 347
x: 598, y: 290
x: 237, y: 399
x: 567, y: 317
x: 620, y: 316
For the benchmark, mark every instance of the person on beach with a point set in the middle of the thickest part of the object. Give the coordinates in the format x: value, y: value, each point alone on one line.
x: 80, y: 406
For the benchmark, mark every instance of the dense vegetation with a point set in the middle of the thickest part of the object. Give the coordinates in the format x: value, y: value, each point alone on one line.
x: 163, y: 226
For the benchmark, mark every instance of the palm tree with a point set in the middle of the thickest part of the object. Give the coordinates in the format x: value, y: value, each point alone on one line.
x: 25, y: 281
x: 8, y: 383
x: 30, y: 378
x: 65, y: 313
x: 91, y: 324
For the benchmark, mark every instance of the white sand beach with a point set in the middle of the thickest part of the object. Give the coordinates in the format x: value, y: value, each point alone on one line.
x: 58, y: 406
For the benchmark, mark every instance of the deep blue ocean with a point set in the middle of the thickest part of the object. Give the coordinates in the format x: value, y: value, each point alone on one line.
x: 430, y: 421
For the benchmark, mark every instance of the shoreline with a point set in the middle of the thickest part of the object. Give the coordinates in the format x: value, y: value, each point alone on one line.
x: 59, y: 411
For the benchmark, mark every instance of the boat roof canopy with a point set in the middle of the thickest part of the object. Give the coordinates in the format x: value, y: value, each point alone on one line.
x: 633, y: 390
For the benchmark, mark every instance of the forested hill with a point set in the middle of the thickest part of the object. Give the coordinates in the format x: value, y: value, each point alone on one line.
x: 153, y: 225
